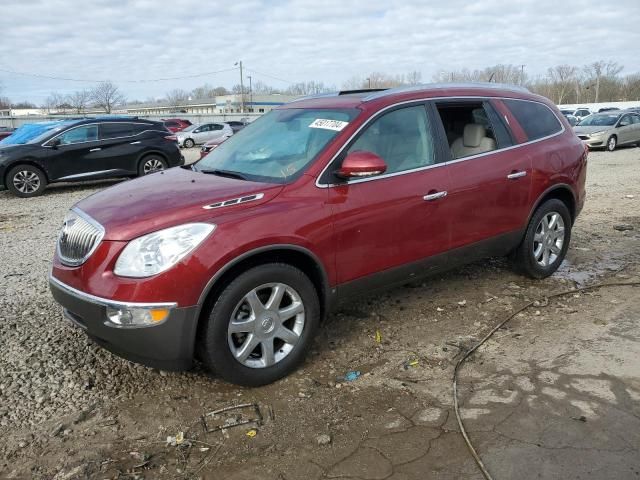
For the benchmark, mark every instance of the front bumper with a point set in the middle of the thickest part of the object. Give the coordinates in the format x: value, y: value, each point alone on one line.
x: 593, y: 142
x: 168, y: 345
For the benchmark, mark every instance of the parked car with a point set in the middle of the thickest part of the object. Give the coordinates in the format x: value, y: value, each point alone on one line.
x: 5, y: 132
x: 210, y: 145
x: 176, y: 124
x: 607, y: 109
x: 609, y: 130
x: 199, y: 134
x: 568, y: 114
x: 77, y: 150
x: 581, y: 112
x: 239, y: 257
x: 236, y: 125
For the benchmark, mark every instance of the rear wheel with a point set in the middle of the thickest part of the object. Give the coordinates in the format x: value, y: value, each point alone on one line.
x: 26, y: 181
x: 189, y: 143
x: 261, y: 325
x: 612, y: 143
x: 151, y: 164
x: 546, y: 240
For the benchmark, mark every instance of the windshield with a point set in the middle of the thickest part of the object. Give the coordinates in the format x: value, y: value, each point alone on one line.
x: 33, y: 132
x: 599, y: 120
x: 190, y: 128
x: 278, y: 145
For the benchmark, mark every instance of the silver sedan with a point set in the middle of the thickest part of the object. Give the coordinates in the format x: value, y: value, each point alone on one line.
x: 608, y: 130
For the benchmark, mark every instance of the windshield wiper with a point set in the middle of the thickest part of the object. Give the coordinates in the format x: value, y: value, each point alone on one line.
x: 225, y: 173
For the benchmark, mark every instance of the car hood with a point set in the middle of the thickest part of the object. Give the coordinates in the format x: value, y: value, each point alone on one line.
x: 165, y: 199
x: 588, y: 129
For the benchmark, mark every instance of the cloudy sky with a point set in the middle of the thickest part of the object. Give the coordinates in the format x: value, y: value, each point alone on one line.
x: 133, y: 42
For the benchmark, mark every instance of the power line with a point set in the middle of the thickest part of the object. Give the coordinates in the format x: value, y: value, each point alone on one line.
x: 89, y: 80
x: 270, y: 76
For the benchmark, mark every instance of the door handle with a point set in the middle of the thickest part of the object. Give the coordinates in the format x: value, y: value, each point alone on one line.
x: 514, y: 175
x: 134, y: 143
x: 95, y: 149
x: 434, y: 196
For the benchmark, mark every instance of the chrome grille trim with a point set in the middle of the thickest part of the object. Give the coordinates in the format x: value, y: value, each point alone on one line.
x: 77, y: 242
x: 235, y: 201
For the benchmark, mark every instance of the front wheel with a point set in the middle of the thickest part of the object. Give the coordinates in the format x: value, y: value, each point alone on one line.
x: 189, y: 143
x: 261, y: 325
x: 26, y: 181
x: 546, y: 240
x: 612, y: 143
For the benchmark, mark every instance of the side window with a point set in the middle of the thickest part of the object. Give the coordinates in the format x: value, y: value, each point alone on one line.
x: 402, y: 138
x: 116, y: 130
x: 635, y: 119
x: 172, y: 124
x: 625, y: 121
x: 536, y: 119
x: 79, y: 135
x: 472, y: 128
x: 216, y: 126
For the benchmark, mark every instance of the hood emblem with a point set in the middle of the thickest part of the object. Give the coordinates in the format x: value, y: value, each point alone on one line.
x: 234, y: 201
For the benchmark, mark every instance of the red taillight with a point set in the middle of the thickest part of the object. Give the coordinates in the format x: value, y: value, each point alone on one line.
x: 173, y: 138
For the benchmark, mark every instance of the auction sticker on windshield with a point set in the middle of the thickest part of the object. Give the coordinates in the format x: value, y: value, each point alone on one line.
x: 336, y: 125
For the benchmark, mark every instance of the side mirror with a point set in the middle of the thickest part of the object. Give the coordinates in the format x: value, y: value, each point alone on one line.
x: 361, y: 164
x: 54, y: 143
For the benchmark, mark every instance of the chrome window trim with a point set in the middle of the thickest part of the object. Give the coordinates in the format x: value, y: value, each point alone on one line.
x: 101, y: 230
x: 105, y: 301
x: 44, y: 144
x: 427, y: 167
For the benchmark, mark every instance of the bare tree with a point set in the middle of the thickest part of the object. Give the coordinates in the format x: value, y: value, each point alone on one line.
x: 79, y: 100
x: 177, y: 97
x: 414, y: 78
x: 23, y: 104
x: 597, y: 71
x: 55, y: 103
x: 106, y: 96
x: 562, y: 78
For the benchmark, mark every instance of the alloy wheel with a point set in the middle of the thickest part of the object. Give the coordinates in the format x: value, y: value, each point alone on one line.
x: 26, y: 181
x: 152, y: 165
x: 611, y: 144
x: 548, y: 239
x: 266, y: 325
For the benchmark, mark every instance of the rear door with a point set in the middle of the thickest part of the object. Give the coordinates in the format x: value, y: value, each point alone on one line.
x: 120, y: 144
x: 390, y: 224
x: 635, y: 120
x: 490, y: 181
x: 77, y: 154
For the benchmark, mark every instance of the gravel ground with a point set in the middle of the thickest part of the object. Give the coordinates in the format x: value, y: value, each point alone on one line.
x: 53, y: 378
x: 49, y: 368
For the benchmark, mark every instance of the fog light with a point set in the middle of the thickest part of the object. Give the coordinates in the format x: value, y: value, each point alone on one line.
x: 136, y: 317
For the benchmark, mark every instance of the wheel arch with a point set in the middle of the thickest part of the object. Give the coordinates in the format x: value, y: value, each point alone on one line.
x: 294, y: 255
x: 562, y: 192
x: 24, y: 161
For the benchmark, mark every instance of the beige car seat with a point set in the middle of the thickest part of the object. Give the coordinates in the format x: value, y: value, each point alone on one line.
x: 473, y: 141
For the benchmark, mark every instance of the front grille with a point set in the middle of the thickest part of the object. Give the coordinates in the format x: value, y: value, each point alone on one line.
x: 79, y: 238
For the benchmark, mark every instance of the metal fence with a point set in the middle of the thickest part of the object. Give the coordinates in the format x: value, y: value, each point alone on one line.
x: 15, y: 122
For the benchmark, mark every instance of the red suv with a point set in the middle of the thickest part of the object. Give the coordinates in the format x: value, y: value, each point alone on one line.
x: 235, y: 260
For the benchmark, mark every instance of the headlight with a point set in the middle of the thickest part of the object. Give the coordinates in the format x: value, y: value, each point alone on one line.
x: 158, y: 251
x: 597, y: 133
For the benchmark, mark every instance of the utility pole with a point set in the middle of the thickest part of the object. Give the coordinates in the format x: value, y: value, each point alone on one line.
x: 241, y: 87
x: 250, y: 93
x: 369, y: 80
x: 522, y: 74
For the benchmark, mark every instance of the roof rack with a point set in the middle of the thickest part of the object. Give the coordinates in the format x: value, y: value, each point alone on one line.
x: 361, y: 90
x: 433, y: 86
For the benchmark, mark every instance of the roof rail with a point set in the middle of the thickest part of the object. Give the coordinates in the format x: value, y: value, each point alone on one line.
x: 361, y: 90
x: 433, y: 86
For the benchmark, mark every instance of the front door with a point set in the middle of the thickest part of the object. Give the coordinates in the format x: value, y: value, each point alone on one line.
x: 394, y: 226
x: 77, y: 155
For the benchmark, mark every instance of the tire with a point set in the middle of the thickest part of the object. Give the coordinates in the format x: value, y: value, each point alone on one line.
x: 533, y: 257
x: 612, y: 143
x: 189, y: 143
x: 221, y: 349
x: 26, y: 181
x: 151, y: 164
